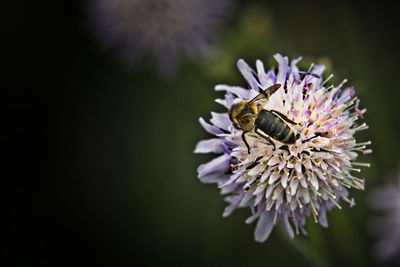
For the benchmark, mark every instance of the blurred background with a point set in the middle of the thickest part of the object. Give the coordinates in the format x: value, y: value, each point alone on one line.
x: 101, y: 103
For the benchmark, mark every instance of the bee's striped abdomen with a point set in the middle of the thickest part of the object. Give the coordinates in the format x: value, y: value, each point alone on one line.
x: 275, y: 127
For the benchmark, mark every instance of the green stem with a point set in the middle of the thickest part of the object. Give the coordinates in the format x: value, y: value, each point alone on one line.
x: 308, y: 252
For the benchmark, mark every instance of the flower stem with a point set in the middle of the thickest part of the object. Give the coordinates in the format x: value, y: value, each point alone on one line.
x: 308, y: 252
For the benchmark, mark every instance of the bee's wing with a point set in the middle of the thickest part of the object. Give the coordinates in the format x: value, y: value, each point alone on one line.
x: 266, y: 93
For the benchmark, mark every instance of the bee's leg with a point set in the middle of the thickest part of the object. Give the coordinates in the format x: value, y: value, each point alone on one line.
x: 312, y: 137
x: 245, y: 142
x: 265, y: 137
x: 283, y: 116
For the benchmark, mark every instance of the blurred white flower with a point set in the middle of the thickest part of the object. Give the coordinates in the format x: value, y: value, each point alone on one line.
x: 158, y: 30
x: 386, y: 200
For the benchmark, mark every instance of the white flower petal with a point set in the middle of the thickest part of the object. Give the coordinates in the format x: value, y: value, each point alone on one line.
x: 305, y: 195
x: 221, y: 120
x: 273, y: 178
x: 222, y: 102
x: 237, y: 90
x: 256, y: 170
x: 274, y: 160
x: 283, y: 68
x: 262, y: 76
x: 303, y: 182
x: 281, y: 165
x: 319, y: 69
x: 293, y: 186
x: 269, y: 191
x: 284, y: 179
x: 314, y: 181
x: 277, y: 193
x: 294, y: 69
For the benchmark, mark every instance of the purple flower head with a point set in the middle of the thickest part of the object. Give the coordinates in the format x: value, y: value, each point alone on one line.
x: 159, y: 30
x: 386, y: 200
x: 280, y: 181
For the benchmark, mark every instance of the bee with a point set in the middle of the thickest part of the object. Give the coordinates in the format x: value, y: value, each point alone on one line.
x: 250, y: 116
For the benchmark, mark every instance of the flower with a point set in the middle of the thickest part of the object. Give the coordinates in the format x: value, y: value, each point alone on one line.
x: 159, y: 29
x: 287, y: 183
x: 387, y: 226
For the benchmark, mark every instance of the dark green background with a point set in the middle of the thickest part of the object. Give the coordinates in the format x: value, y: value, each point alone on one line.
x: 98, y: 166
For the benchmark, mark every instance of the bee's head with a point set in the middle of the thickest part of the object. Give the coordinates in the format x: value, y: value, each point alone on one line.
x: 234, y: 111
x: 243, y: 115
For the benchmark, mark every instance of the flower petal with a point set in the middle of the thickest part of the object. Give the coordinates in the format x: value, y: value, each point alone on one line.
x: 284, y: 179
x: 214, y: 177
x: 247, y: 73
x: 286, y: 224
x: 274, y: 177
x: 314, y: 181
x: 227, y: 101
x: 221, y: 120
x: 293, y: 186
x: 245, y: 200
x: 264, y: 226
x: 222, y: 102
x: 318, y: 69
x: 262, y: 76
x: 213, y: 145
x: 294, y: 70
x: 274, y: 160
x: 219, y: 164
x: 322, y: 218
x: 283, y: 68
x: 210, y: 128
x: 234, y: 204
x: 237, y: 90
x: 271, y: 75
x: 252, y: 218
x: 232, y: 178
